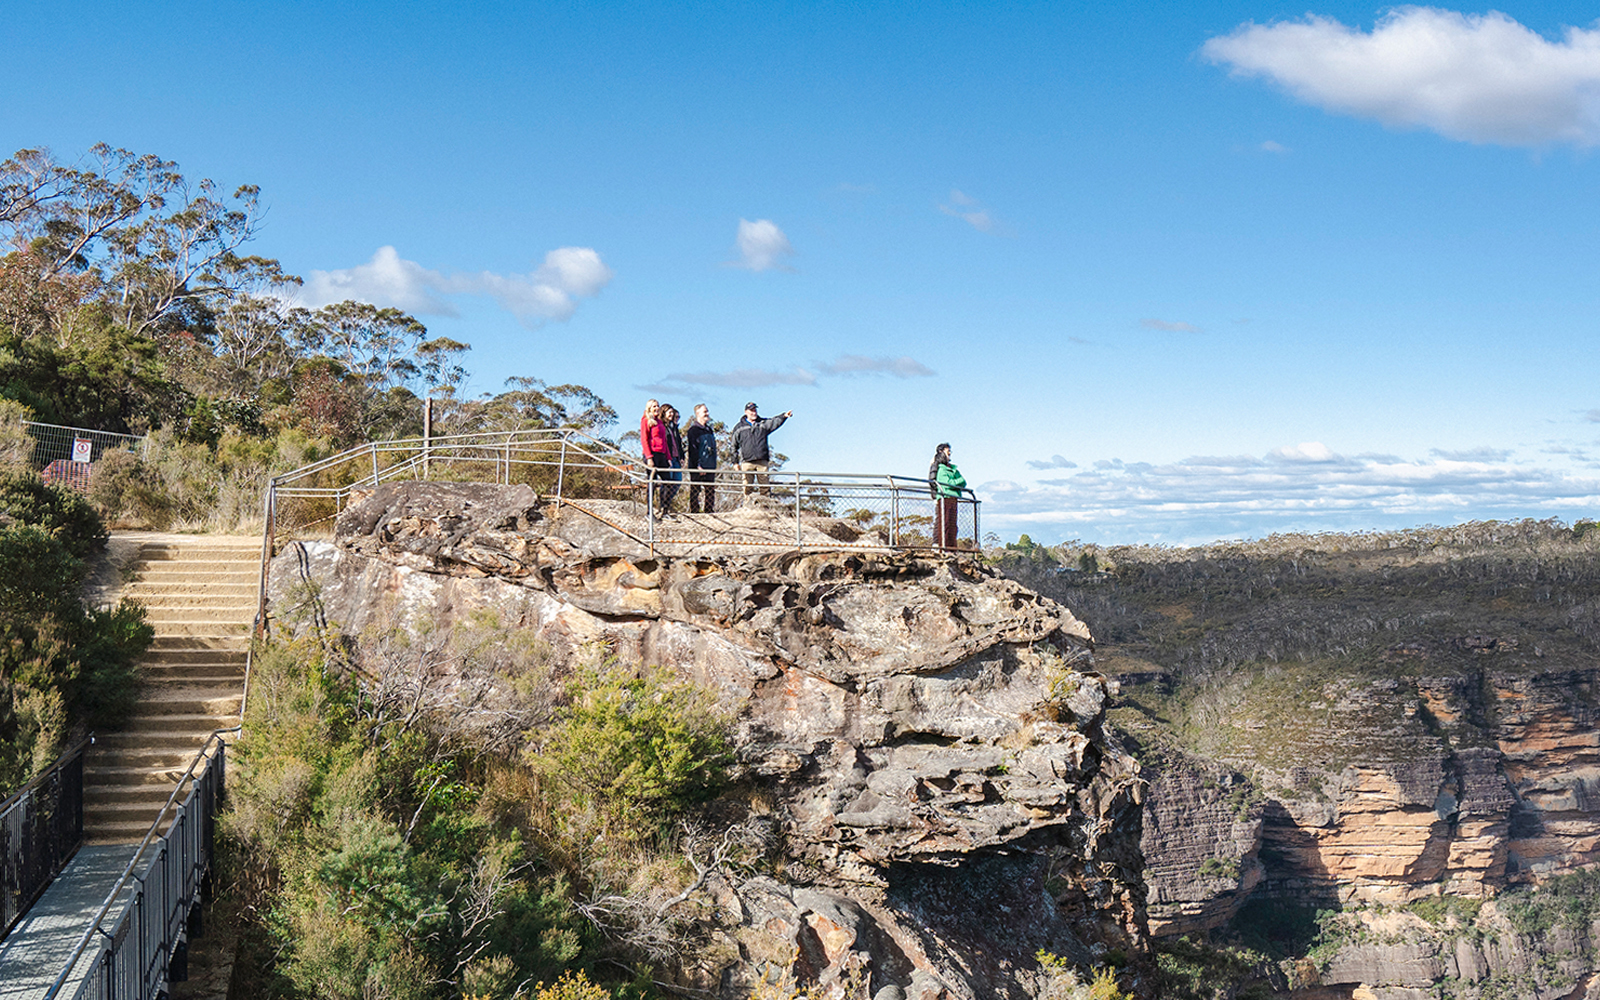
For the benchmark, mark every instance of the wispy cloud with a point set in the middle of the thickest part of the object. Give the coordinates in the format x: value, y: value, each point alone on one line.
x: 1297, y: 487
x: 1480, y: 78
x: 549, y: 293
x: 1167, y: 326
x: 755, y: 378
x: 1593, y: 416
x: 1055, y: 462
x: 738, y: 378
x: 762, y: 246
x: 860, y: 364
x: 1271, y: 146
x: 967, y: 208
x: 1483, y: 454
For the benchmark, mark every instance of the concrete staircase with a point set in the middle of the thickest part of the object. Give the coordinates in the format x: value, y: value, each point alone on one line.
x: 200, y: 596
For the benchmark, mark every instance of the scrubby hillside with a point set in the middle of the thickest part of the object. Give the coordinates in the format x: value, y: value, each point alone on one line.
x: 1359, y: 726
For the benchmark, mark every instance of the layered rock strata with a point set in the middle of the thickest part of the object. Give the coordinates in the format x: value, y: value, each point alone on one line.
x: 1381, y: 791
x: 927, y: 734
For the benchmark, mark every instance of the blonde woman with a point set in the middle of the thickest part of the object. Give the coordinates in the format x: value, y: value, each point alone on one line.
x: 657, y: 453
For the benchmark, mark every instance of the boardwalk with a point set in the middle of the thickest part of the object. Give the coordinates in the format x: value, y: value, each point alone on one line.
x: 199, y: 593
x: 32, y: 955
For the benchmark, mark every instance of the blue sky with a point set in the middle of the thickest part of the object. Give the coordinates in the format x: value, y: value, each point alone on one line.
x: 1161, y: 273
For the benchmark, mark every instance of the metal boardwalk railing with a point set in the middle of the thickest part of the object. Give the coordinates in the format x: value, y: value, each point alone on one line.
x: 669, y: 506
x: 115, y: 922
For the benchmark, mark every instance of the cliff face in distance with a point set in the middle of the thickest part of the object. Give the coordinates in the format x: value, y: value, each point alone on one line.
x: 925, y: 735
x: 1369, y: 723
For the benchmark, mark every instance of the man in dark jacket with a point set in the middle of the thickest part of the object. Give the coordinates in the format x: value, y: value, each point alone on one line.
x: 750, y: 445
x: 702, y: 461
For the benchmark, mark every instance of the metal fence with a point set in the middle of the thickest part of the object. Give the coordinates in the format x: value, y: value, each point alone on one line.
x: 675, y: 508
x: 131, y: 954
x: 41, y: 828
x: 67, y: 455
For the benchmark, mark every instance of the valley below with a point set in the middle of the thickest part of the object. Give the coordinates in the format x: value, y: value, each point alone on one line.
x: 1372, y: 760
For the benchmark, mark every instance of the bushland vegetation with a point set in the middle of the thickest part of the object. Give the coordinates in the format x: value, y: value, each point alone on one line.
x: 63, y: 666
x: 1307, y: 650
x: 1241, y: 626
x: 456, y: 814
x: 130, y: 302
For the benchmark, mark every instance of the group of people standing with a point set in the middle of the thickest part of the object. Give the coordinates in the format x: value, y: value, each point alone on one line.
x: 668, y: 451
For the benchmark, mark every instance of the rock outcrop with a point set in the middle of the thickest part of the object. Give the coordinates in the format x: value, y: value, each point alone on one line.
x: 1383, y: 791
x: 928, y: 734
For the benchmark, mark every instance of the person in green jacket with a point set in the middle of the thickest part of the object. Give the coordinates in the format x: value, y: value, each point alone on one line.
x: 947, y: 484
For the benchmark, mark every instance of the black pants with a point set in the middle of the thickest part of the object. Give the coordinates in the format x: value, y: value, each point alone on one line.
x: 666, y: 478
x: 702, y: 487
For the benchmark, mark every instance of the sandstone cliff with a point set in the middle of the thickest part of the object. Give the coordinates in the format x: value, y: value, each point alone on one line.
x: 1375, y: 792
x: 928, y: 736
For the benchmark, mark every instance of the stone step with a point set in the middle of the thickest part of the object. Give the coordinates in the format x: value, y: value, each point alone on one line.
x: 117, y: 773
x: 115, y: 764
x: 245, y: 603
x: 222, y: 659
x: 165, y: 552
x: 157, y: 738
x: 175, y: 585
x: 188, y: 612
x: 187, y: 704
x: 150, y: 796
x: 192, y: 581
x: 199, y: 645
x: 210, y: 674
x: 201, y: 628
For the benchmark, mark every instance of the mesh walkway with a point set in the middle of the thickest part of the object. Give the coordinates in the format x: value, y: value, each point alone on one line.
x: 30, y: 956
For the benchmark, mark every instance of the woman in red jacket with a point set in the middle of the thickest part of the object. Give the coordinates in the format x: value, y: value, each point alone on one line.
x: 657, y: 453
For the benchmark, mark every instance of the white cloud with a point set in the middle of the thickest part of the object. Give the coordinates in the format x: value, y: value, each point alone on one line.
x: 1273, y: 147
x: 1168, y: 327
x: 1294, y: 488
x: 1481, y: 78
x: 1055, y: 462
x: 860, y: 364
x: 965, y: 207
x: 762, y: 246
x: 549, y: 293
x: 1309, y: 451
x: 1484, y: 454
x: 752, y: 378
x: 386, y: 280
x: 739, y: 378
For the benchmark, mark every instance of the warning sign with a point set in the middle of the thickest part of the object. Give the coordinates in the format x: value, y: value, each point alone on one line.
x: 82, y: 449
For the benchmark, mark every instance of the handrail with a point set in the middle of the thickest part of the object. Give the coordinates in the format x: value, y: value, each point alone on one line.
x: 133, y: 863
x: 49, y: 825
x: 15, y: 798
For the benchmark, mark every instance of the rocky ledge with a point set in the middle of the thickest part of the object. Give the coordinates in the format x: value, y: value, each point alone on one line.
x: 928, y: 734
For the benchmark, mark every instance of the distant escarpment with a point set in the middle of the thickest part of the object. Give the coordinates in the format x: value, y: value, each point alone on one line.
x: 925, y: 736
x: 1399, y: 732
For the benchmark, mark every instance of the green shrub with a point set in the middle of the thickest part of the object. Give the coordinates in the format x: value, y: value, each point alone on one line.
x: 59, y: 662
x: 370, y: 844
x: 60, y: 512
x: 126, y: 489
x: 637, y: 748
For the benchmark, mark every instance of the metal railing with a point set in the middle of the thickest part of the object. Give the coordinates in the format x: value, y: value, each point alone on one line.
x: 726, y: 507
x: 128, y: 955
x: 41, y: 828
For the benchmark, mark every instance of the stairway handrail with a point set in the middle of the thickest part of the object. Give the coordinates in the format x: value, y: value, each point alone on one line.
x: 133, y: 863
x: 15, y: 798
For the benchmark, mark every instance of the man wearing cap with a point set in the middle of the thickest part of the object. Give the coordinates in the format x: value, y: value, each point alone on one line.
x: 750, y: 445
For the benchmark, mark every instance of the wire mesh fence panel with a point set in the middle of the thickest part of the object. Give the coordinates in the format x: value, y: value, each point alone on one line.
x: 67, y: 455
